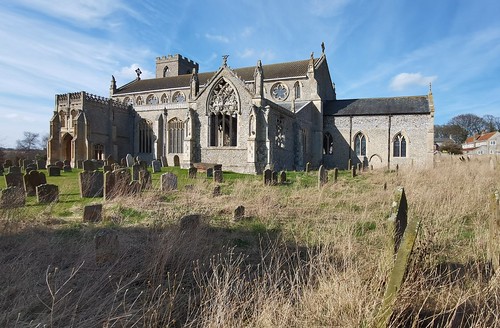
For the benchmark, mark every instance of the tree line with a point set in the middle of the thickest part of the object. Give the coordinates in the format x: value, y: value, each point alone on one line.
x: 465, y: 125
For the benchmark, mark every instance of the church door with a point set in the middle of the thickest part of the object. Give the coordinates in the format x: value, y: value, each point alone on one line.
x: 66, y: 148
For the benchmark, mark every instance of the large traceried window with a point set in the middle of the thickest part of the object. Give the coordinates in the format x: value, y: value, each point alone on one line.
x: 98, y: 151
x: 399, y: 146
x: 175, y: 136
x: 360, y: 144
x: 223, y: 110
x: 327, y: 144
x: 145, y: 136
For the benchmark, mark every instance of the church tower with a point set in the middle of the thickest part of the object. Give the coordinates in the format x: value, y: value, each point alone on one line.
x: 174, y: 65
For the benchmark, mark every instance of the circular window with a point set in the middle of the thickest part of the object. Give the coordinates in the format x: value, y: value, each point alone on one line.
x: 279, y: 91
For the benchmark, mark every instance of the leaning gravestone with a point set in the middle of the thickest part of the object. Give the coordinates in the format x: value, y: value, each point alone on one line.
x: 353, y: 171
x: 30, y: 167
x: 164, y: 162
x: 12, y: 197
x: 107, y: 246
x: 116, y: 183
x: 168, y: 181
x: 282, y: 177
x: 129, y: 160
x: 47, y: 193
x: 335, y: 174
x: 322, y: 176
x: 145, y: 179
x: 92, y: 213
x: 91, y: 184
x: 156, y: 164
x: 33, y: 180
x: 218, y: 177
x: 239, y: 213
x: 136, y: 167
x: 268, y: 177
x: 14, y: 180
x: 308, y: 167
x: 134, y: 188
x: 54, y: 171
x: 110, y: 160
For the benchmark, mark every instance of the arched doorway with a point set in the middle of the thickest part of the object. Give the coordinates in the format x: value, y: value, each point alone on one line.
x: 177, y: 161
x: 66, y: 146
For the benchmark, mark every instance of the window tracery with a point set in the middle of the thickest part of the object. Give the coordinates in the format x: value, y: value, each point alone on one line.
x: 360, y: 144
x: 399, y: 146
x: 327, y: 144
x: 279, y: 91
x: 178, y: 97
x: 223, y: 107
x: 280, y: 133
x: 152, y: 100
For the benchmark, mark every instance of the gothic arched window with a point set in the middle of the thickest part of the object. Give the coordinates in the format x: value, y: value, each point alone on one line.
x: 296, y: 89
x: 165, y: 71
x: 360, y: 144
x: 145, y: 136
x: 138, y: 101
x: 175, y: 135
x: 223, y: 109
x: 399, y: 146
x: 127, y: 101
x: 98, y: 151
x: 164, y: 99
x: 178, y: 97
x: 327, y: 144
x: 151, y: 100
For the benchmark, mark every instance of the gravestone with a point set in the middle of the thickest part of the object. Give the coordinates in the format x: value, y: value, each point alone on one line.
x: 79, y: 164
x: 67, y: 168
x: 353, y: 171
x: 164, y: 162
x: 32, y: 180
x: 91, y: 184
x: 168, y: 182
x: 210, y: 172
x: 308, y: 167
x: 134, y: 188
x: 190, y: 222
x: 136, y: 167
x: 123, y: 162
x: 115, y: 167
x: 88, y: 165
x: 359, y: 167
x: 399, y: 216
x: 274, y: 175
x: 218, y: 177
x: 47, y: 193
x: 107, y: 168
x: 239, y: 213
x: 12, y: 197
x: 282, y: 177
x: 116, y: 183
x: 59, y: 164
x: 14, y: 180
x: 15, y: 169
x: 322, y: 176
x: 54, y: 171
x: 217, y: 191
x: 92, y: 213
x: 145, y: 179
x: 192, y: 171
x: 218, y: 167
x: 335, y: 174
x: 156, y: 165
x: 137, y: 159
x: 41, y: 164
x: 23, y: 163
x: 107, y: 246
x: 268, y: 177
x: 66, y: 162
x: 110, y: 160
x: 129, y: 160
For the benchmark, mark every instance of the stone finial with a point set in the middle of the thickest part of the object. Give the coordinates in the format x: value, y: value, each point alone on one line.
x: 322, y: 47
x: 138, y: 72
x: 224, y: 60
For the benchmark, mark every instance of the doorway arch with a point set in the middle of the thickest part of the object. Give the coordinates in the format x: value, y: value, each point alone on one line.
x: 66, y: 146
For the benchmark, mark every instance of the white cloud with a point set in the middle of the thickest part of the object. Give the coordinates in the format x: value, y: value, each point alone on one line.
x: 127, y: 73
x: 218, y: 38
x: 405, y: 80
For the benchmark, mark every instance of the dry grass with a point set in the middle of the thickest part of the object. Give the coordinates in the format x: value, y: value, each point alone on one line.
x: 303, y: 257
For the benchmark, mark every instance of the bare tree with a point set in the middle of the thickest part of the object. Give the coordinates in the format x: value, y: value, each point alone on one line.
x: 30, y: 141
x: 492, y: 123
x: 473, y: 124
x: 455, y: 132
x: 44, y: 139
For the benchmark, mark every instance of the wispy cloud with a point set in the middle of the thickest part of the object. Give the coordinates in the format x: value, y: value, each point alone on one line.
x: 326, y: 8
x: 128, y: 73
x: 217, y: 37
x: 404, y: 80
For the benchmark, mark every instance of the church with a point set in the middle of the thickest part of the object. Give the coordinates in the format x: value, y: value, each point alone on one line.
x: 279, y: 116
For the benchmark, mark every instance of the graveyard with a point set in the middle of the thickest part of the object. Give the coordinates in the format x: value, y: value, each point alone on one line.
x: 145, y: 244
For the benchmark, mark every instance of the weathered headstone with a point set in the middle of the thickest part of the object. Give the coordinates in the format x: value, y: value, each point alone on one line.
x: 107, y: 246
x: 322, y: 176
x: 335, y: 174
x: 110, y: 160
x: 168, y: 181
x: 239, y: 213
x: 398, y: 216
x: 210, y: 172
x: 192, y: 171
x: 274, y: 175
x: 12, y: 197
x: 145, y: 179
x: 88, y: 165
x: 92, y: 213
x: 218, y: 167
x: 116, y: 183
x: 30, y: 167
x: 190, y: 222
x: 107, y: 168
x: 156, y: 164
x: 134, y: 188
x: 308, y: 167
x: 41, y: 164
x: 59, y: 164
x: 66, y: 162
x: 129, y: 160
x: 14, y: 180
x: 67, y: 168
x: 54, y: 171
x: 218, y: 176
x: 136, y: 167
x: 164, y: 162
x: 349, y: 164
x: 268, y: 177
x: 217, y: 191
x: 353, y: 171
x: 47, y: 193
x: 32, y: 180
x: 282, y: 177
x: 91, y: 184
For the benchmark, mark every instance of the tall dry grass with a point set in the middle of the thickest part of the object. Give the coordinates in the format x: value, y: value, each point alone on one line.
x: 303, y: 257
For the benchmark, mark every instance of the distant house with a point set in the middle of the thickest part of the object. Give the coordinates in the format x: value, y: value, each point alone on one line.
x: 440, y: 142
x: 482, y: 144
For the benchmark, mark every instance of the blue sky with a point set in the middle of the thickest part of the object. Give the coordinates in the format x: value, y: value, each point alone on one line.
x: 374, y: 48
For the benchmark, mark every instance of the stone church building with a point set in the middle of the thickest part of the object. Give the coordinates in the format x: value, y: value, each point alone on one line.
x: 278, y: 116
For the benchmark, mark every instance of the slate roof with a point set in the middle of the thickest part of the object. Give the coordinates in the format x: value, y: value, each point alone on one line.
x: 272, y: 71
x: 378, y: 106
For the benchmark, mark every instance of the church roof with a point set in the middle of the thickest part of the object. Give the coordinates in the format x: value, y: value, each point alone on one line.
x: 272, y: 71
x: 378, y: 106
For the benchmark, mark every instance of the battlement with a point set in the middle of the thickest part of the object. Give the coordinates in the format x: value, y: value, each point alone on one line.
x: 176, y: 57
x: 174, y: 65
x: 68, y: 98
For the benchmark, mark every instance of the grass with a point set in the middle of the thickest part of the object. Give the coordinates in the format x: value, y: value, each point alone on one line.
x: 302, y: 257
